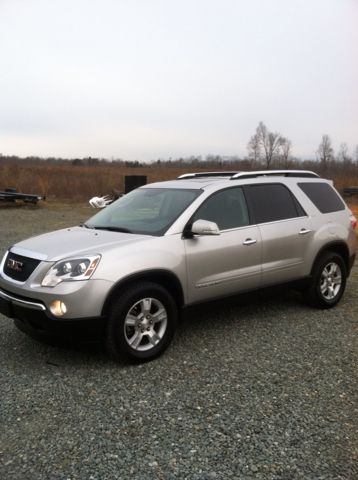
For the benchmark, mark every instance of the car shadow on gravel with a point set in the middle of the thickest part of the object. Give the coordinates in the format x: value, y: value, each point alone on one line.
x: 54, y: 350
x: 252, y: 301
x: 58, y: 347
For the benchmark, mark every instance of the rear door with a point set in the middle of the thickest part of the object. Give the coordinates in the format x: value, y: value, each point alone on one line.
x: 220, y: 265
x: 285, y: 229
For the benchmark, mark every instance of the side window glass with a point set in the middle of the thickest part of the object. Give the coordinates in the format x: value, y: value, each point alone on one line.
x: 271, y: 203
x: 226, y: 208
x: 323, y: 196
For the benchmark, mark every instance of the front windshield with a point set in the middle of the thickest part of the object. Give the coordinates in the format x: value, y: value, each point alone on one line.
x: 148, y: 211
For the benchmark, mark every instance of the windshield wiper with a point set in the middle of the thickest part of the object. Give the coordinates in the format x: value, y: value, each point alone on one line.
x: 84, y: 225
x: 113, y: 229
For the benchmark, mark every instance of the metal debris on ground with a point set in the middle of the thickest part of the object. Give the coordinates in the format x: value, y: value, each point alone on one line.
x: 11, y: 195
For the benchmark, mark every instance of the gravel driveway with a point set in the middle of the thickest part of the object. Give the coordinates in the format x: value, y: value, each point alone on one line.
x: 261, y: 388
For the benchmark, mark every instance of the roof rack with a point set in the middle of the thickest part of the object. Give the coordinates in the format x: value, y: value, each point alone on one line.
x: 253, y: 174
x: 281, y: 173
x: 205, y: 174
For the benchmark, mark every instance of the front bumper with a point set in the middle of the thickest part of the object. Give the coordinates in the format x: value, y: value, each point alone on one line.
x: 33, y: 318
x: 83, y: 299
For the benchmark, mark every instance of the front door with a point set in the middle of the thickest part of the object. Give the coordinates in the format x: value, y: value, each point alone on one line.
x: 221, y: 265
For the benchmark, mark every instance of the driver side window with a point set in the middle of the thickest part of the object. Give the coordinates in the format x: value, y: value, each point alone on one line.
x: 226, y: 208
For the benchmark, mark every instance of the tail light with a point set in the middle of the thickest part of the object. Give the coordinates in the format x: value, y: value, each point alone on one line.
x: 353, y: 221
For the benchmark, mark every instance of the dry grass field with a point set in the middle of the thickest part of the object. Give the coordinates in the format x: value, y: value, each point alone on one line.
x: 58, y: 181
x: 77, y: 182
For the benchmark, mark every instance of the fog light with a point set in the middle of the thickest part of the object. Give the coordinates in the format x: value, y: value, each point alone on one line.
x: 58, y: 308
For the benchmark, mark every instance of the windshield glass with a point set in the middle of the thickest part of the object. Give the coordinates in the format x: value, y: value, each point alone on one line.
x: 148, y: 211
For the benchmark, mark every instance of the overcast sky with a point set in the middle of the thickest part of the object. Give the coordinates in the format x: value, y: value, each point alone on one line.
x: 148, y: 79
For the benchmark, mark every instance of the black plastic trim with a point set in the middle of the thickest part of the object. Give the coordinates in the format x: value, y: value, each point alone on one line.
x: 333, y: 247
x: 38, y: 323
x: 146, y: 275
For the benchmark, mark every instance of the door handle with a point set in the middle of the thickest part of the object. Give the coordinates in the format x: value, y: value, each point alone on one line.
x: 303, y: 231
x: 249, y: 241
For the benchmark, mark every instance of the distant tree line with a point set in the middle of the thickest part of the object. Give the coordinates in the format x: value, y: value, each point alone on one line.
x: 85, y: 161
x: 266, y: 149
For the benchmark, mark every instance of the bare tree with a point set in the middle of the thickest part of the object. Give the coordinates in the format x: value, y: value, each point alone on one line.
x: 254, y: 148
x: 325, y: 152
x: 274, y: 142
x: 264, y: 144
x: 343, y: 154
x: 285, y: 151
x: 356, y: 155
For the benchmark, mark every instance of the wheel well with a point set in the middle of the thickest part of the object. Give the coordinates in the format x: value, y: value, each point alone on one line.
x: 339, y: 248
x: 166, y: 279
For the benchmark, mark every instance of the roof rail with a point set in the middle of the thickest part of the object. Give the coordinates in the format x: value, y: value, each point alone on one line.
x: 205, y: 174
x: 269, y: 173
x: 253, y: 174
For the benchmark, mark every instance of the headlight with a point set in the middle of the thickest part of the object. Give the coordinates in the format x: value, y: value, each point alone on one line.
x: 70, y: 270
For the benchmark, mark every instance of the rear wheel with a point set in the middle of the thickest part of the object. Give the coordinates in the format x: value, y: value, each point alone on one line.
x: 328, y: 281
x: 141, y: 323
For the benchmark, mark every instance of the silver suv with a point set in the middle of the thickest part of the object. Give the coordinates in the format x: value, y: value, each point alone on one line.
x: 126, y: 273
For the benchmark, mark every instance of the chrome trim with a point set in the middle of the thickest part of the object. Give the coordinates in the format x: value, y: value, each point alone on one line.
x: 249, y: 241
x: 271, y: 173
x: 205, y: 175
x: 3, y: 274
x: 207, y: 284
x: 9, y: 279
x: 28, y: 253
x: 25, y: 253
x: 22, y: 303
x: 220, y: 281
x: 234, y: 229
x: 258, y: 225
x: 3, y: 260
x: 280, y: 221
x: 252, y: 174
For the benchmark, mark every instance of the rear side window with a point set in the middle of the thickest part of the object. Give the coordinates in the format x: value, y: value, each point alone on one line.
x: 323, y: 196
x: 271, y: 203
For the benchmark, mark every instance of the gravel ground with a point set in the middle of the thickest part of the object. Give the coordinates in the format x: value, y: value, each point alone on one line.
x: 260, y: 388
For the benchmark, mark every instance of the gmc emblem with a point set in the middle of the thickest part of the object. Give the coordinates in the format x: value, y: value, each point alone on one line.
x: 14, y: 265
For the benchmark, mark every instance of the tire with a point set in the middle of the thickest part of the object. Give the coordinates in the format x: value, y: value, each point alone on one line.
x: 141, y: 323
x: 328, y: 281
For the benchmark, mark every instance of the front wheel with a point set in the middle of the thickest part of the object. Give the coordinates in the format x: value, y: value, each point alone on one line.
x: 328, y: 282
x: 141, y: 323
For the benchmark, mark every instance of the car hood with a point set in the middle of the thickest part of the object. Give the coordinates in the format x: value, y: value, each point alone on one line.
x: 71, y: 242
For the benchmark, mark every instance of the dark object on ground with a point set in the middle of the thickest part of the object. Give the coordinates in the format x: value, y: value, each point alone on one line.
x: 11, y: 195
x: 132, y: 182
x: 349, y: 191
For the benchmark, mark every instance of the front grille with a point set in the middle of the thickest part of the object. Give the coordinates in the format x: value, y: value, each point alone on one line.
x: 18, y: 267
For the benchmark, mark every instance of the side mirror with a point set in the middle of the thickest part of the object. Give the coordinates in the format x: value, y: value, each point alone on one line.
x: 204, y: 227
